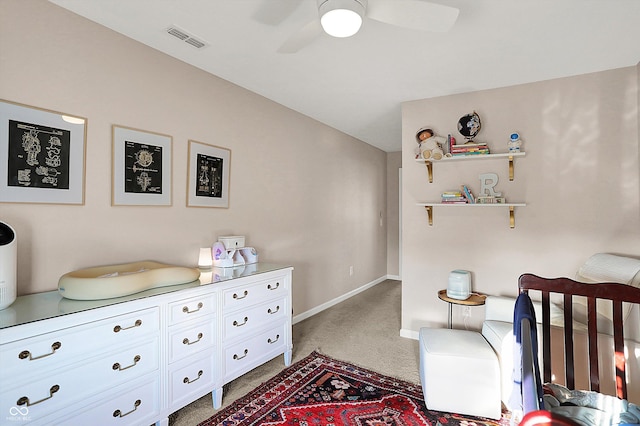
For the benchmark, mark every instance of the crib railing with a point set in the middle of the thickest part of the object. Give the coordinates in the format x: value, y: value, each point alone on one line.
x: 567, y: 288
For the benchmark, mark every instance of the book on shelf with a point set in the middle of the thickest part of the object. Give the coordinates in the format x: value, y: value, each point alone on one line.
x: 468, y: 194
x: 453, y: 197
x: 491, y: 200
x: 451, y: 142
x: 470, y: 145
x: 463, y: 153
x: 470, y: 149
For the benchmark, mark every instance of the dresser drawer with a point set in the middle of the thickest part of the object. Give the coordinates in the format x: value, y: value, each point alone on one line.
x: 192, y: 378
x: 240, y: 322
x: 135, y: 404
x: 243, y: 296
x: 243, y: 356
x: 40, y: 354
x: 186, y: 341
x: 67, y: 387
x: 192, y: 308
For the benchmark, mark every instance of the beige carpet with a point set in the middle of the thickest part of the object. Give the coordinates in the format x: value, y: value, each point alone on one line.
x: 364, y: 330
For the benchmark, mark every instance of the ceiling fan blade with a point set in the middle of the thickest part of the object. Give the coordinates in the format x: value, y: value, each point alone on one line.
x: 302, y: 38
x: 274, y: 12
x: 413, y: 14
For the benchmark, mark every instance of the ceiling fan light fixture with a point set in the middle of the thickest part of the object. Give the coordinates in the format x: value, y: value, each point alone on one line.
x: 341, y: 18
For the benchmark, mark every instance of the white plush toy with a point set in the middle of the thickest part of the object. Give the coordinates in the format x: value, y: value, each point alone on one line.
x: 429, y: 146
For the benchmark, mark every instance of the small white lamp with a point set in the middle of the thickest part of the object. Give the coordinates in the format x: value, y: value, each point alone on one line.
x: 341, y: 18
x: 205, y: 260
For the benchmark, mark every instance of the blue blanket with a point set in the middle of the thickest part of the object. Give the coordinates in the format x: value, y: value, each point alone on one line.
x: 527, y: 386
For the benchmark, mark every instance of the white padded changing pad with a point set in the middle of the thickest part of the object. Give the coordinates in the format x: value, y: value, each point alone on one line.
x: 106, y: 282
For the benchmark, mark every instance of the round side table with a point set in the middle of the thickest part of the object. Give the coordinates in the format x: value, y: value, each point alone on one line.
x: 474, y: 300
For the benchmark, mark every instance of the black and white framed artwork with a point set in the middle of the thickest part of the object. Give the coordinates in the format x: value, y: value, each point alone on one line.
x: 42, y: 155
x: 141, y: 168
x: 208, y: 175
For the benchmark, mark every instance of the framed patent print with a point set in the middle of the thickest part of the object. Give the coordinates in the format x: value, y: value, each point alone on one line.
x: 42, y: 155
x: 141, y: 168
x: 208, y: 175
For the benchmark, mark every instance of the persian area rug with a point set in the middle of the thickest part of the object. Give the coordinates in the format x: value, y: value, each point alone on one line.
x: 319, y: 390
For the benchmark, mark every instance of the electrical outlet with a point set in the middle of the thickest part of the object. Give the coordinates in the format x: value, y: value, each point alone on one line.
x: 350, y: 271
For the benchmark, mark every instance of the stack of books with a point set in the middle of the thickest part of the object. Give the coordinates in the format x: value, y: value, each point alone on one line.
x: 453, y: 197
x: 464, y: 196
x: 470, y: 149
x: 468, y: 194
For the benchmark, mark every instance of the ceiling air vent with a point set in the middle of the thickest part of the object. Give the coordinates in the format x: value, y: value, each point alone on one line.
x: 185, y: 36
x: 194, y: 42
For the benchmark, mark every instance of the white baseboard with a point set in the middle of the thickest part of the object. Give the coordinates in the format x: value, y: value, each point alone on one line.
x: 409, y: 334
x: 394, y: 277
x: 330, y: 303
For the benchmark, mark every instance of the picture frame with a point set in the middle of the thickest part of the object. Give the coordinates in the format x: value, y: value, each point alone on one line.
x: 42, y: 155
x: 142, y: 167
x: 208, y: 175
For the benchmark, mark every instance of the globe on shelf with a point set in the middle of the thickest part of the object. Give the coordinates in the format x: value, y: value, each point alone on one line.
x: 469, y: 126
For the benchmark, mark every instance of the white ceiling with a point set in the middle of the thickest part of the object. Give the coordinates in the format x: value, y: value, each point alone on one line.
x: 357, y: 84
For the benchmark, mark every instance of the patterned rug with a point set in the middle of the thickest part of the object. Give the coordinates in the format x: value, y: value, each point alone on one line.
x: 319, y: 390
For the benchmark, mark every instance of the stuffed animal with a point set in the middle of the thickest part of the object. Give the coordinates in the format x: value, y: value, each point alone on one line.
x: 429, y: 146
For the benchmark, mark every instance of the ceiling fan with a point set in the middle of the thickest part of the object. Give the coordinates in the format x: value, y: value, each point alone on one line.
x: 343, y: 18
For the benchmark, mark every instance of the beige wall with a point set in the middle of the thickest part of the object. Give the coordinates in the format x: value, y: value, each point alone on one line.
x: 302, y: 193
x: 394, y: 165
x: 579, y: 178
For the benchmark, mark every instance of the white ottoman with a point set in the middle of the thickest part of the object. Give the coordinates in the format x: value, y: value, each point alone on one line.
x: 459, y: 372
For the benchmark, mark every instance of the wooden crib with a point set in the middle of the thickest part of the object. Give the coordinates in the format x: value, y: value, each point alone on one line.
x: 567, y: 289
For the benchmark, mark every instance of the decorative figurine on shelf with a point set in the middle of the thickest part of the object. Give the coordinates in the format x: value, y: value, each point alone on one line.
x: 488, y: 182
x: 514, y: 142
x: 429, y: 145
x: 469, y: 125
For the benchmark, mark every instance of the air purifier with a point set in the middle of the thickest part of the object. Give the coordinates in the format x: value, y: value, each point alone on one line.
x: 8, y: 265
x: 459, y: 285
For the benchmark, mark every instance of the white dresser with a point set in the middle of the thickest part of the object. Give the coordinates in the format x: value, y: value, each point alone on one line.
x: 134, y: 360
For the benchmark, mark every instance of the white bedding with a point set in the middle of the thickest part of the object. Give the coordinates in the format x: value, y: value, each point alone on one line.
x: 590, y: 408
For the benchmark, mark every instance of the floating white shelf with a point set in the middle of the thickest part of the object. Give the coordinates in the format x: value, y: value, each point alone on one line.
x: 509, y: 156
x: 511, y: 206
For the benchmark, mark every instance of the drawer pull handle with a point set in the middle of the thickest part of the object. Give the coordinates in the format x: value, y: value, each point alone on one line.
x: 187, y: 342
x: 271, y: 311
x: 118, y: 328
x: 26, y: 354
x: 186, y: 380
x: 186, y: 310
x: 236, y: 357
x: 118, y: 413
x: 273, y: 341
x: 118, y: 367
x: 273, y: 288
x: 237, y: 324
x: 244, y: 294
x: 25, y: 400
